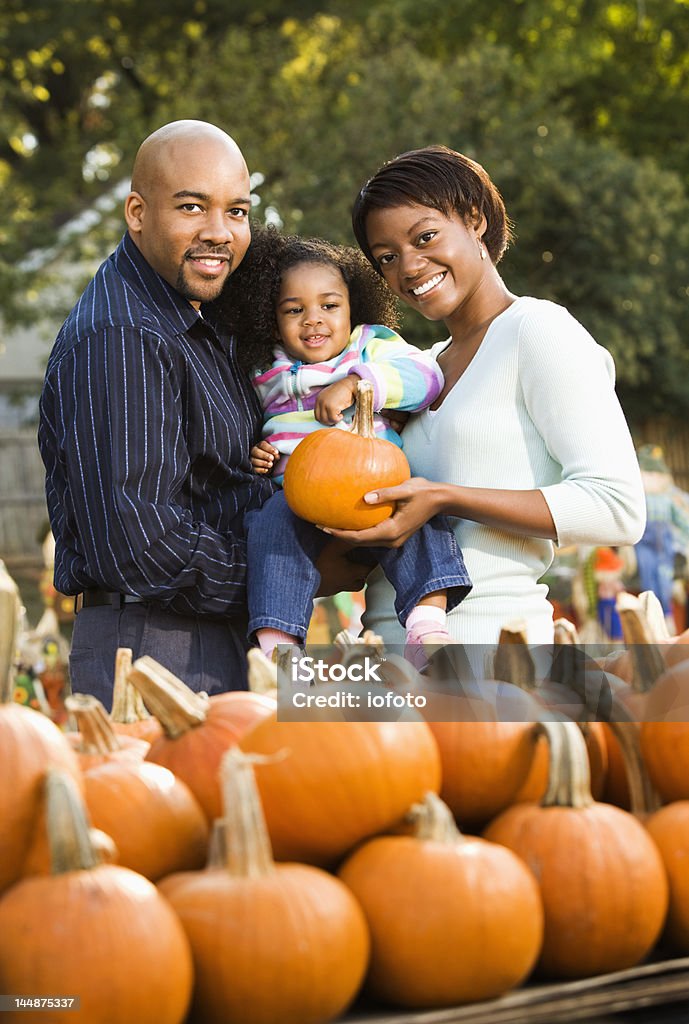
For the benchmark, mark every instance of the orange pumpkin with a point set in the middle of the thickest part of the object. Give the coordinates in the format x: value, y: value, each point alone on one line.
x: 669, y: 828
x: 330, y: 471
x: 197, y: 730
x: 156, y: 823
x: 452, y: 919
x: 271, y: 942
x: 561, y: 695
x: 340, y: 782
x: 94, y: 930
x: 603, y: 883
x: 29, y: 744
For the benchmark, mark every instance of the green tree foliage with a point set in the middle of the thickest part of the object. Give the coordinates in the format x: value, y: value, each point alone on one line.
x: 572, y: 105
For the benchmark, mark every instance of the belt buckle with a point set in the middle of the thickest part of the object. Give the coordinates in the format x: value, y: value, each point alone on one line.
x: 78, y: 603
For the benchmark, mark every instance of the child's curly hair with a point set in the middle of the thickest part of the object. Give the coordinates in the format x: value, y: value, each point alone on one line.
x: 247, y: 304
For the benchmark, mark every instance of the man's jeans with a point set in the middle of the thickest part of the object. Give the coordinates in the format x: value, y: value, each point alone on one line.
x: 206, y: 653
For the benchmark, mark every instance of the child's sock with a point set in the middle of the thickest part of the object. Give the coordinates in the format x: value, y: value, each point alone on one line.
x: 426, y: 620
x: 268, y: 639
x: 426, y: 626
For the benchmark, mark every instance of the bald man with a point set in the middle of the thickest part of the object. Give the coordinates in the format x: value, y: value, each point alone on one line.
x: 146, y: 424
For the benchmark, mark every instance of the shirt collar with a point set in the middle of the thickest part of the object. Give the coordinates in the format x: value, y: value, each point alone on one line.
x: 167, y: 301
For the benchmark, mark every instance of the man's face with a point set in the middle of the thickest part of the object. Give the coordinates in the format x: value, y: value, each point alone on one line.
x: 191, y: 219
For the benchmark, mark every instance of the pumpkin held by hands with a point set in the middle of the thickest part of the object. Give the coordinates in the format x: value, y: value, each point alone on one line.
x: 330, y: 471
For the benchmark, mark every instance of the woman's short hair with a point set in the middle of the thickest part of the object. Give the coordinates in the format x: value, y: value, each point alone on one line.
x: 442, y: 179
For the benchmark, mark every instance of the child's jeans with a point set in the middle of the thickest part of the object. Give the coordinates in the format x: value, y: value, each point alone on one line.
x: 282, y: 578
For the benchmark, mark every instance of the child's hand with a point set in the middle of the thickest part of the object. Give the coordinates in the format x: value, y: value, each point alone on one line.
x: 334, y: 399
x: 263, y: 457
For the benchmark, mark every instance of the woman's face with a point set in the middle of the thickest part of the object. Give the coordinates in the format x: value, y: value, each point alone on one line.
x: 432, y: 262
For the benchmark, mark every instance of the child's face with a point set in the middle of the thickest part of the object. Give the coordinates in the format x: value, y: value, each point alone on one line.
x: 313, y: 312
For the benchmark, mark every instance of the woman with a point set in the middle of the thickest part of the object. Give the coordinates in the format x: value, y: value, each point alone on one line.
x: 526, y: 445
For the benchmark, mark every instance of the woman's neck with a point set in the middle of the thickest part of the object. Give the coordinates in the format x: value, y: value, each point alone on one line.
x: 471, y: 320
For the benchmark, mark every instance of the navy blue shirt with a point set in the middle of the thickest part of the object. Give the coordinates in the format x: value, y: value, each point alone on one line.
x: 146, y: 424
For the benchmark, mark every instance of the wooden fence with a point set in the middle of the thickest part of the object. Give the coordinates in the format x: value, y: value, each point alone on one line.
x: 23, y: 512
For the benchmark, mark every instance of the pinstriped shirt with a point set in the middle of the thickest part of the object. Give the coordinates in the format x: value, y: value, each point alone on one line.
x: 146, y: 424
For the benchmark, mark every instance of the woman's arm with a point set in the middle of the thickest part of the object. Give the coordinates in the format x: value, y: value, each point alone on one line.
x: 525, y: 513
x: 567, y: 384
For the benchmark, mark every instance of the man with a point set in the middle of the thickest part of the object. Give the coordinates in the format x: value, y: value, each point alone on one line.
x: 146, y: 424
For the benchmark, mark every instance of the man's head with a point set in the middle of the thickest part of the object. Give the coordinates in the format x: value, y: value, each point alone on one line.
x: 188, y: 210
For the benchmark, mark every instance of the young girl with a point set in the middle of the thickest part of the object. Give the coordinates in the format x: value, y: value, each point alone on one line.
x: 311, y: 310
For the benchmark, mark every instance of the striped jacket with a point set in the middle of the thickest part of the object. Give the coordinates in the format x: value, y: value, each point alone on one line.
x: 403, y: 378
x: 146, y: 427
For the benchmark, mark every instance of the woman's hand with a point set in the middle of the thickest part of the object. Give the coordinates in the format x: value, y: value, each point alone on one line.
x: 417, y: 501
x: 263, y: 457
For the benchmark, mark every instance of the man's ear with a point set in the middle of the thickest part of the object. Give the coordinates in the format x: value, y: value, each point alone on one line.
x: 134, y: 209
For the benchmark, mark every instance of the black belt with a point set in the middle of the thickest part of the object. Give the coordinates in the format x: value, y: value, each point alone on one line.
x: 94, y: 598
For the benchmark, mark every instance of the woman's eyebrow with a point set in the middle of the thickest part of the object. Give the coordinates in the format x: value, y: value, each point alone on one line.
x: 412, y: 230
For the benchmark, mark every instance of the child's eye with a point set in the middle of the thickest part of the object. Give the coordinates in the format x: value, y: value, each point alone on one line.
x: 330, y: 305
x: 426, y: 236
x: 294, y: 309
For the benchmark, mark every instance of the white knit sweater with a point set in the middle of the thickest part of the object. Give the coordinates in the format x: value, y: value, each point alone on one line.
x: 535, y: 408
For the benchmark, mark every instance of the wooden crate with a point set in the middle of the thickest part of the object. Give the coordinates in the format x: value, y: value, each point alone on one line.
x: 652, y: 984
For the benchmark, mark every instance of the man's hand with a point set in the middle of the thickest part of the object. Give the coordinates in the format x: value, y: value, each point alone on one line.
x: 334, y: 399
x: 263, y: 457
x: 337, y: 572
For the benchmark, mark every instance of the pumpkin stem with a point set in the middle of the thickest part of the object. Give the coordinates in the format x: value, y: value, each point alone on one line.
x: 93, y: 723
x: 655, y: 617
x: 127, y: 703
x: 10, y: 611
x: 569, y: 777
x: 262, y: 672
x: 247, y: 851
x: 432, y: 819
x: 647, y: 660
x: 643, y: 797
x: 177, y: 708
x: 362, y: 422
x: 69, y: 835
x: 565, y: 632
x: 513, y: 661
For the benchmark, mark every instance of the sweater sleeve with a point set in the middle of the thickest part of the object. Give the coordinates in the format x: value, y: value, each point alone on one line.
x: 568, y: 386
x: 403, y: 376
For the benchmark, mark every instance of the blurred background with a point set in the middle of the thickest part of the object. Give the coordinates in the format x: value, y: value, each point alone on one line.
x: 577, y: 108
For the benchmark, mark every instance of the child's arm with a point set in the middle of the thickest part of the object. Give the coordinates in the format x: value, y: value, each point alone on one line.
x: 263, y: 456
x: 403, y: 376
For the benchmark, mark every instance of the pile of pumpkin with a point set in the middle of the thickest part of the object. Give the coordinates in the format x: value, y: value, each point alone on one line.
x: 266, y: 870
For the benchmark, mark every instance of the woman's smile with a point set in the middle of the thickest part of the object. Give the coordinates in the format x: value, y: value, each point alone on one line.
x: 430, y: 285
